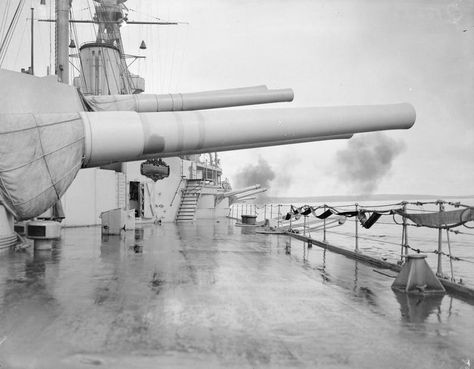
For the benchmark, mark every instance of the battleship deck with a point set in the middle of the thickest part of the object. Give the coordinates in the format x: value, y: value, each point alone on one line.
x: 208, y: 294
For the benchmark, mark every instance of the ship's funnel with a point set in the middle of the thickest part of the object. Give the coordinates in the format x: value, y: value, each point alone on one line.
x: 128, y: 136
x: 189, y: 101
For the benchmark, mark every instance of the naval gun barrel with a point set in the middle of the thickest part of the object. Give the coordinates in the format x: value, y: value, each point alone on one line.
x: 127, y: 136
x: 143, y: 103
x: 250, y: 193
x: 241, y: 190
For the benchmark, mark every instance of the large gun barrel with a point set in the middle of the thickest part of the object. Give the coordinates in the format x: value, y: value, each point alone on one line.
x: 190, y: 101
x: 241, y: 190
x: 250, y: 193
x: 127, y: 136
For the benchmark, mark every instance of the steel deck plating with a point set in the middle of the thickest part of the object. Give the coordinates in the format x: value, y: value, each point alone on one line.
x: 208, y: 294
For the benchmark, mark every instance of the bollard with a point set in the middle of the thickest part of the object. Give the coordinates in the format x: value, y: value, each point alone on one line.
x: 249, y: 219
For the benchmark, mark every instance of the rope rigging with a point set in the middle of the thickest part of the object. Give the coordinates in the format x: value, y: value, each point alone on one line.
x: 9, y: 34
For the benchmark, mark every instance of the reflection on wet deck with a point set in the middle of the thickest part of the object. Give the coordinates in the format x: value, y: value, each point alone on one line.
x: 212, y: 295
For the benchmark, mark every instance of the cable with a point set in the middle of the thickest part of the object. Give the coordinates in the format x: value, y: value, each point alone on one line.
x: 4, y: 18
x: 9, y: 34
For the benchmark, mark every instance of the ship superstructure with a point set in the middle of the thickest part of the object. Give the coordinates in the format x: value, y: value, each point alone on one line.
x: 121, y: 149
x: 181, y: 188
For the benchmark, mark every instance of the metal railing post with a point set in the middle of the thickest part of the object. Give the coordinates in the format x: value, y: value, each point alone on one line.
x: 357, y: 228
x: 279, y: 215
x: 304, y: 225
x: 450, y: 256
x: 404, y: 249
x: 439, y: 271
x: 271, y: 211
x: 324, y: 228
x: 265, y: 213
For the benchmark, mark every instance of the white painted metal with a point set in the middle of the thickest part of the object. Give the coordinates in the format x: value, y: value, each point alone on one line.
x: 187, y: 101
x: 100, y: 70
x: 111, y: 141
x: 126, y: 136
x: 7, y: 235
x: 242, y: 190
x: 115, y: 221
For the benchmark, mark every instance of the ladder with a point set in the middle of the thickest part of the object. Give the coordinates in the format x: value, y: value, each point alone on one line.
x: 189, y: 200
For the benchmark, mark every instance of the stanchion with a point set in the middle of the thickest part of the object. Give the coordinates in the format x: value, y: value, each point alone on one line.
x: 324, y: 228
x: 439, y: 270
x: 404, y: 246
x: 450, y: 258
x: 279, y: 215
x: 357, y: 228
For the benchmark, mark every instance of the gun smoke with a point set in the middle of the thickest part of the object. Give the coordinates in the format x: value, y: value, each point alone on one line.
x: 367, y: 160
x: 260, y: 173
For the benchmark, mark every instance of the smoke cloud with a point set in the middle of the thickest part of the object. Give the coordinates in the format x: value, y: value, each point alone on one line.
x: 259, y: 173
x: 367, y: 160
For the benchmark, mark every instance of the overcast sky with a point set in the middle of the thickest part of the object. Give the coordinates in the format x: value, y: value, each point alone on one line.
x: 331, y: 53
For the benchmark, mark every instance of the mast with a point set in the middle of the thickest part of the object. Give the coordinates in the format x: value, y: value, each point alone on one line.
x: 32, y: 42
x: 62, y: 39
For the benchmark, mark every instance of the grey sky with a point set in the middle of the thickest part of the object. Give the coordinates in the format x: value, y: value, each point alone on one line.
x: 346, y: 52
x: 331, y: 53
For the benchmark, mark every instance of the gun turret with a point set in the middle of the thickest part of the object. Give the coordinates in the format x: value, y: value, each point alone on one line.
x: 45, y: 138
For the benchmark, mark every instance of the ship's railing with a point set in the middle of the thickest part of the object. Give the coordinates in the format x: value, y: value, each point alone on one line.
x: 319, y: 222
x: 238, y: 209
x: 178, y: 188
